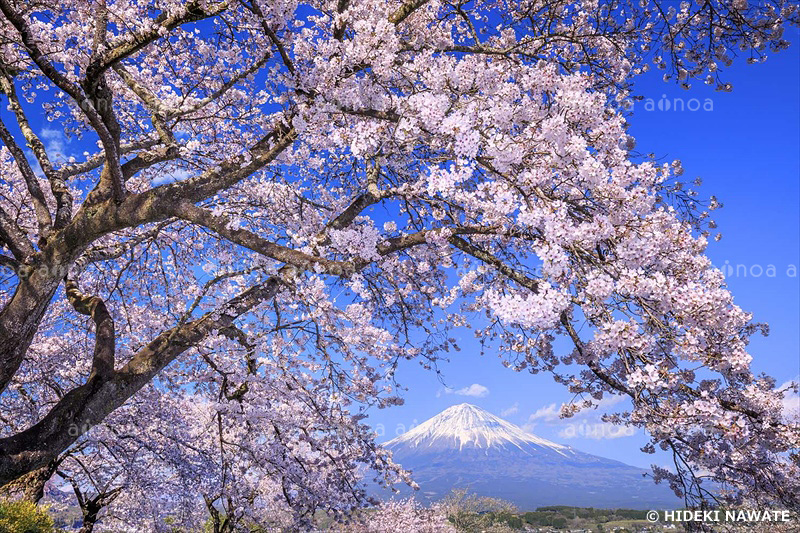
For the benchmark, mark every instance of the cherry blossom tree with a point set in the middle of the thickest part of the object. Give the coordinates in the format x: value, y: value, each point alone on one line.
x: 470, y: 512
x: 401, y: 515
x: 255, y: 210
x: 270, y: 463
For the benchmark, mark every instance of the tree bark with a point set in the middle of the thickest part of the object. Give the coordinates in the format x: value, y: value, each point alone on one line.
x: 30, y: 487
x: 88, y: 404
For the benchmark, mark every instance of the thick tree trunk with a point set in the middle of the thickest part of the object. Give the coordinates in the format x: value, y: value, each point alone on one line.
x: 30, y: 487
x: 89, y: 519
x: 87, y: 405
x: 20, y: 318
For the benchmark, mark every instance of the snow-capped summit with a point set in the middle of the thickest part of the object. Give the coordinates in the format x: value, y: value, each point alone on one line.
x: 468, y: 426
x: 466, y: 446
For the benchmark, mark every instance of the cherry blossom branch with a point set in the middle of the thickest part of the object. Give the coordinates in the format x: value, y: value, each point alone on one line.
x: 222, y: 89
x: 8, y: 262
x: 287, y: 61
x: 37, y: 147
x: 14, y: 238
x: 87, y: 405
x: 370, y: 197
x: 103, y: 126
x: 90, y: 507
x: 490, y: 259
x: 147, y: 158
x: 154, y: 204
x: 104, y: 344
x: 338, y: 31
x: 96, y: 161
x: 151, y: 102
x: 404, y: 11
x: 58, y: 185
x: 17, y: 322
x: 227, y: 173
x: 37, y: 196
x: 114, y: 251
x: 222, y: 226
x: 135, y: 41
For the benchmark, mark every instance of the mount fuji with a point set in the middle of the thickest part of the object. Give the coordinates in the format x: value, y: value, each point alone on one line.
x: 465, y: 446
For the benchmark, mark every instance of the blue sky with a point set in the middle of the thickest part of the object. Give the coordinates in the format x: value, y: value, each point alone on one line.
x: 745, y: 145
x: 747, y: 151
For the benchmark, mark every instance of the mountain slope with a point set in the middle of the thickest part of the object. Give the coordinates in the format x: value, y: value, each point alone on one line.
x: 467, y: 426
x: 466, y: 446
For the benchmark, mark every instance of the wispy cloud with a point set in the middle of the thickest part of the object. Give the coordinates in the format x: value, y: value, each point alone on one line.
x: 55, y: 142
x: 514, y: 409
x: 595, y: 430
x: 791, y: 399
x: 171, y: 177
x: 476, y: 390
x: 586, y: 424
x: 548, y: 413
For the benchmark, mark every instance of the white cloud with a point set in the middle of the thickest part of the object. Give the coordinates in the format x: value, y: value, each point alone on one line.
x: 476, y: 390
x: 54, y: 142
x: 583, y: 424
x: 595, y: 430
x: 171, y: 177
x: 548, y: 413
x: 514, y: 409
x: 791, y: 399
x: 610, y: 399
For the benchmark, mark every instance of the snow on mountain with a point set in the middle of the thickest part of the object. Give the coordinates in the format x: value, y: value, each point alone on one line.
x: 466, y: 425
x: 465, y: 446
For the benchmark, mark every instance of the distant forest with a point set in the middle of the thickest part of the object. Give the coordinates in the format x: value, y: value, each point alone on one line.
x: 560, y: 516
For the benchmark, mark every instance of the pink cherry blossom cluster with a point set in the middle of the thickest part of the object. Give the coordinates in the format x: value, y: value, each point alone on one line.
x: 278, y: 202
